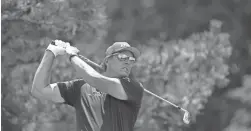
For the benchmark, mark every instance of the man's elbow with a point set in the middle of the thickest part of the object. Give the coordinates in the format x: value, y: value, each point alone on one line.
x: 32, y: 91
x: 33, y: 86
x: 37, y: 85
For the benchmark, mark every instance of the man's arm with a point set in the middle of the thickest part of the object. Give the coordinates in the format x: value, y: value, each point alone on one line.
x: 105, y: 84
x: 40, y: 87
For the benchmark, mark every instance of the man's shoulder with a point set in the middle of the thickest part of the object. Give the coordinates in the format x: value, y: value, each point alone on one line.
x: 133, y: 82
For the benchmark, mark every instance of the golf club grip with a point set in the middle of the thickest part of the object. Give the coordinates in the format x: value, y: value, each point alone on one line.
x: 91, y: 63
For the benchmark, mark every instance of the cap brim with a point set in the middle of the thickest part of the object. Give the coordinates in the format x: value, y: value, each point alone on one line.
x: 134, y: 50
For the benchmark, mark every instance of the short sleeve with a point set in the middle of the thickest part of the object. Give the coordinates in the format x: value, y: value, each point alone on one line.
x: 133, y: 89
x: 70, y: 90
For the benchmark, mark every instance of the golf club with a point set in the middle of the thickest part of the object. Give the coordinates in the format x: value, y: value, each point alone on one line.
x: 99, y: 67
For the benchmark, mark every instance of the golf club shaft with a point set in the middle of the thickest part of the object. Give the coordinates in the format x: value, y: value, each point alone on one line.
x: 91, y: 63
x: 149, y: 92
x: 97, y: 66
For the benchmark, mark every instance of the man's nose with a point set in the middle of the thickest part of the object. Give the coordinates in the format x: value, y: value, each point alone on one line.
x: 127, y: 62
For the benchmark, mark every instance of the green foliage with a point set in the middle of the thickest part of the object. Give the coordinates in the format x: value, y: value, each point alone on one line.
x: 185, y: 72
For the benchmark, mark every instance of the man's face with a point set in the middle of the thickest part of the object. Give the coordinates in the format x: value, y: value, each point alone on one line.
x: 121, y: 63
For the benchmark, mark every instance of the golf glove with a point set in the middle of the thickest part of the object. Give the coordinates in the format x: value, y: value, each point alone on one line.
x: 70, y: 50
x: 58, y: 47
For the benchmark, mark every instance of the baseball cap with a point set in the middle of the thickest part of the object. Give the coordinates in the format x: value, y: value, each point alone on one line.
x: 122, y: 46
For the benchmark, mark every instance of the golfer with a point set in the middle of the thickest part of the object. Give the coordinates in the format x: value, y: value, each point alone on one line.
x: 76, y: 93
x: 123, y: 95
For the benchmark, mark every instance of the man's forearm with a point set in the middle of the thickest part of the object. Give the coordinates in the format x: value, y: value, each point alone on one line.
x: 90, y: 75
x: 84, y: 69
x: 43, y: 73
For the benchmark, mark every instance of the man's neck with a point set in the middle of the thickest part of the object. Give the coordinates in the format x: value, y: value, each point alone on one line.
x: 109, y: 74
x: 112, y: 75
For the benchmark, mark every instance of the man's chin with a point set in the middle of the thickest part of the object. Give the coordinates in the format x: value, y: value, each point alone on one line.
x: 124, y: 74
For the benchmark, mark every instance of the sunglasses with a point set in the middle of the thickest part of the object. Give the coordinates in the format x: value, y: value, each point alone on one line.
x: 124, y: 57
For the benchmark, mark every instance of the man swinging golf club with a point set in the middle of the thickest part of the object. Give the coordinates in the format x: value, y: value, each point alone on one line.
x: 120, y: 98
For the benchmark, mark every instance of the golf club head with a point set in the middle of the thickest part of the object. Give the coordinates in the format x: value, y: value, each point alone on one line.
x: 186, y: 119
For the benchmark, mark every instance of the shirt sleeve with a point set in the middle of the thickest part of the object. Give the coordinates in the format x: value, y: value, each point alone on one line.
x: 133, y: 89
x: 70, y: 90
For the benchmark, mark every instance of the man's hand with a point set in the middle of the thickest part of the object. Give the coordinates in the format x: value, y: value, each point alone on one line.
x: 58, y: 47
x: 61, y: 43
x: 70, y: 50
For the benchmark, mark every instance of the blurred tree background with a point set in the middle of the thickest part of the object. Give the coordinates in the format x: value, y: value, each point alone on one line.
x: 195, y: 53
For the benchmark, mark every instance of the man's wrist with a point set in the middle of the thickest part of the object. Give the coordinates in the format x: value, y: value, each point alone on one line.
x: 50, y: 53
x: 71, y: 56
